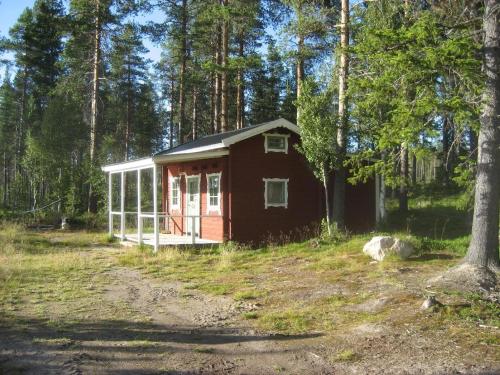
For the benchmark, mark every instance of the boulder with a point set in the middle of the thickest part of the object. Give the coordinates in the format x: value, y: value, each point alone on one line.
x: 402, y: 249
x: 381, y: 246
x: 378, y: 246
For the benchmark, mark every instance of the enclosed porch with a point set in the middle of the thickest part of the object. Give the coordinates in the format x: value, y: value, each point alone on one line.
x: 136, y: 211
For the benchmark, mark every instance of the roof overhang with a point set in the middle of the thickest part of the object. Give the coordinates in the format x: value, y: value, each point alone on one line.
x: 189, y: 156
x: 128, y: 166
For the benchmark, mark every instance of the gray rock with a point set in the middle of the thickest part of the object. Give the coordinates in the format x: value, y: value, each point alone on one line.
x: 381, y: 246
x: 430, y: 302
x: 402, y: 249
x: 378, y: 246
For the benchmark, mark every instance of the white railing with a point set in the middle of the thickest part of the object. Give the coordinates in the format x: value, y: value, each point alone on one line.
x: 185, y: 231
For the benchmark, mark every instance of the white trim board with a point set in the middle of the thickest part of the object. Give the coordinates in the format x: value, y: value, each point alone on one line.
x: 194, y: 154
x: 128, y: 166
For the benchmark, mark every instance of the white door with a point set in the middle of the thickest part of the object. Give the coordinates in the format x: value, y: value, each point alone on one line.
x: 193, y: 205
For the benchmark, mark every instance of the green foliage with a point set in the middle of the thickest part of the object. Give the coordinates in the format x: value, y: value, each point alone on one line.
x: 409, y: 68
x: 318, y: 127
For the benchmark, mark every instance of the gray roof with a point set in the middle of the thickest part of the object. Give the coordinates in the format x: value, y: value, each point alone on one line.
x: 210, y: 140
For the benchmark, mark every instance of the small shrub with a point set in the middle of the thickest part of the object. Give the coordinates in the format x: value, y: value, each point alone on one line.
x: 247, y: 295
x: 334, y: 235
x: 346, y: 356
x: 250, y: 315
x: 287, y: 322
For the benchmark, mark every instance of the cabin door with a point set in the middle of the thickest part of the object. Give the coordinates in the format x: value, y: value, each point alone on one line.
x: 193, y: 205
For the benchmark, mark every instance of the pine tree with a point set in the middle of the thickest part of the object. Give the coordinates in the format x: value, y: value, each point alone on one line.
x: 7, y: 135
x: 483, y: 248
x: 128, y: 71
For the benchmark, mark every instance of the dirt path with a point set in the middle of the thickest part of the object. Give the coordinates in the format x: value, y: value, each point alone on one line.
x: 169, y: 330
x: 134, y: 324
x: 204, y: 333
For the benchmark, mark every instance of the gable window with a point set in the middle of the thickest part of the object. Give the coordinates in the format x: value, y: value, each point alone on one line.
x: 275, y: 192
x: 213, y: 192
x: 174, y: 193
x: 276, y: 142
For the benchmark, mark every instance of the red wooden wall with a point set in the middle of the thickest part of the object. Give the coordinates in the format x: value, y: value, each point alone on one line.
x: 211, y: 223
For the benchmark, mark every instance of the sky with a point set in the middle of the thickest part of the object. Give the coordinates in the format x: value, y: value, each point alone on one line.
x: 10, y: 11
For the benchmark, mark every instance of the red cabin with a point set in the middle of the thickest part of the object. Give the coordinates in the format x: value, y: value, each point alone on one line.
x: 250, y: 184
x: 247, y: 185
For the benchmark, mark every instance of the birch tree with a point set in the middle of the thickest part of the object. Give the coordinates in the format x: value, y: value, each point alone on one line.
x: 341, y: 136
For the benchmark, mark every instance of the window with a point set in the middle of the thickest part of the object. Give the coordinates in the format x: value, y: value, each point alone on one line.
x: 213, y: 192
x: 276, y: 192
x: 276, y: 143
x: 174, y: 193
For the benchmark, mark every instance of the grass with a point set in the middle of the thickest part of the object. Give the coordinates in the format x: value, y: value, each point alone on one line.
x: 250, y: 315
x: 298, y: 288
x: 270, y: 277
x: 346, y: 356
x: 37, y: 270
x: 204, y: 350
x: 280, y: 279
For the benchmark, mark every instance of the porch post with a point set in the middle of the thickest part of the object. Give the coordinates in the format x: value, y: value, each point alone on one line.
x: 110, y: 204
x: 122, y: 206
x: 193, y: 230
x: 139, y: 208
x: 155, y: 211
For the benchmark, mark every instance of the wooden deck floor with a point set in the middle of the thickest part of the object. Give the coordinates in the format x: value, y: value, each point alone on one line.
x: 168, y: 240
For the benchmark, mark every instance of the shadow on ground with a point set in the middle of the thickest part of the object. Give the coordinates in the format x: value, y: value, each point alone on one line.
x: 40, y: 344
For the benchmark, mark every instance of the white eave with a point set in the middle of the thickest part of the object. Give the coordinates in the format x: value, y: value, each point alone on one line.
x: 126, y: 166
x: 199, y: 153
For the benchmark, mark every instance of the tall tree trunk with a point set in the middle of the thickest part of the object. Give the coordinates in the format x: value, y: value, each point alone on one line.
x: 212, y: 103
x: 4, y: 179
x: 340, y: 173
x: 129, y: 113
x: 327, y: 199
x: 195, y: 114
x: 413, y: 169
x: 240, y: 93
x: 172, y: 100
x: 300, y: 70
x: 403, y: 175
x: 94, y: 109
x: 224, y: 78
x: 217, y: 85
x: 449, y: 147
x: 483, y: 248
x: 182, y: 73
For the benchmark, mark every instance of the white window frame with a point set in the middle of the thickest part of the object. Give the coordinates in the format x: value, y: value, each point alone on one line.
x: 266, y: 203
x: 284, y: 136
x: 178, y: 205
x: 211, y: 208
